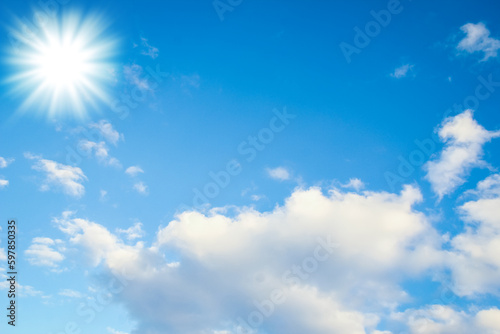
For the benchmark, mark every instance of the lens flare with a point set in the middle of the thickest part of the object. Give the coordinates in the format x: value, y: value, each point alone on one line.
x: 61, y: 65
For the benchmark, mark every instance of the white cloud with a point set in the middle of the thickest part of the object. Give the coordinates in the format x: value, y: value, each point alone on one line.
x: 29, y: 291
x: 107, y: 131
x: 5, y: 162
x: 149, y: 50
x: 464, y: 139
x: 376, y: 239
x: 477, y: 39
x: 141, y: 188
x: 134, y: 170
x: 133, y: 232
x: 279, y: 173
x: 42, y: 252
x: 100, y: 151
x: 441, y: 319
x: 68, y: 178
x: 489, y: 320
x: 226, y: 263
x: 4, y: 183
x: 100, y: 246
x: 474, y: 259
x: 24, y: 290
x: 355, y: 184
x: 488, y: 188
x: 98, y: 242
x: 402, y: 71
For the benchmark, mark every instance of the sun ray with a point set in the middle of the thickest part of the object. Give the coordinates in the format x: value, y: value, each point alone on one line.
x: 62, y: 67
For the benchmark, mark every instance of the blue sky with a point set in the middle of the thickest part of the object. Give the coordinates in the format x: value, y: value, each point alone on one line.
x: 226, y: 167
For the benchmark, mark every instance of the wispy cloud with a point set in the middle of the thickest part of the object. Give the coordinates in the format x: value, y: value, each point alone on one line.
x: 107, y: 131
x: 70, y: 293
x: 477, y: 39
x: 100, y: 151
x: 5, y: 162
x: 148, y: 49
x: 133, y: 232
x: 103, y: 195
x: 141, y: 188
x: 487, y: 188
x: 134, y: 171
x: 42, y: 252
x: 402, y: 71
x: 4, y: 183
x: 134, y: 75
x: 355, y: 184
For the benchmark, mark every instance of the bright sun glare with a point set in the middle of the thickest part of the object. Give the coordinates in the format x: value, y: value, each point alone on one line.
x: 61, y: 65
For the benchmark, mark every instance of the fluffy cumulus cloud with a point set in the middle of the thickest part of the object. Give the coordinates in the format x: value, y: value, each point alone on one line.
x: 475, y: 262
x: 3, y: 183
x: 45, y: 252
x: 67, y: 178
x: 314, y: 265
x: 441, y: 319
x: 464, y: 139
x: 99, y: 243
x: 477, y: 39
x: 332, y: 260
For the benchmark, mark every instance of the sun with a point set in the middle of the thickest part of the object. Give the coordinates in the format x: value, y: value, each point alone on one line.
x: 62, y: 66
